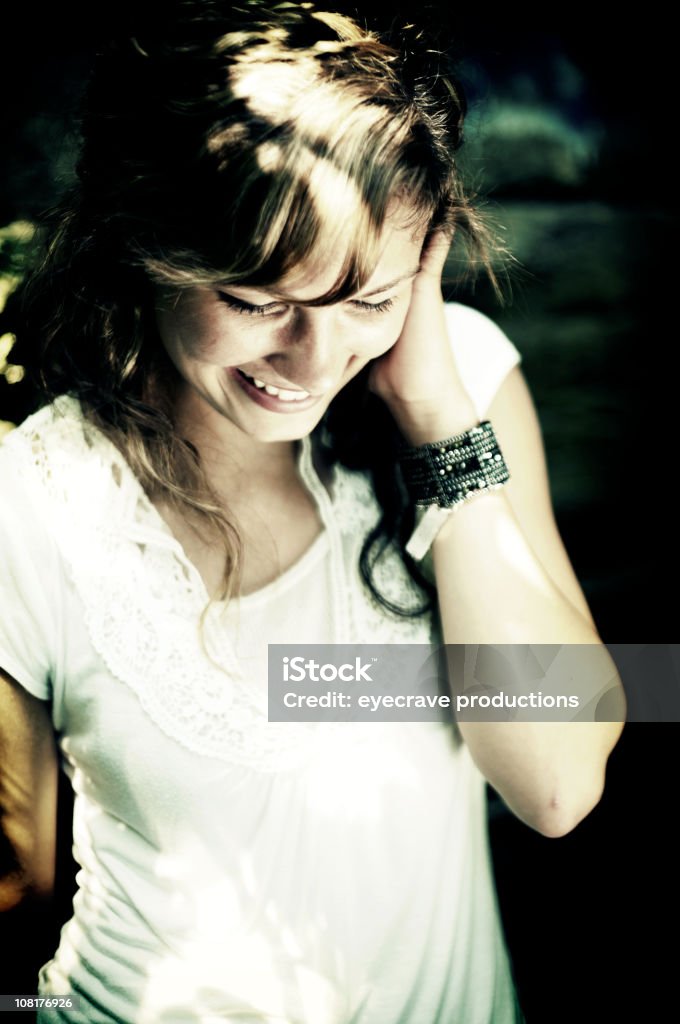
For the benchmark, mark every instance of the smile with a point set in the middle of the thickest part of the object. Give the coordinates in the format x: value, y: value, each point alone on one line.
x: 282, y: 393
x: 272, y: 398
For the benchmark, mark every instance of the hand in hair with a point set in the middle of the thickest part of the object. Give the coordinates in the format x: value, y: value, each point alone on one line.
x: 418, y: 377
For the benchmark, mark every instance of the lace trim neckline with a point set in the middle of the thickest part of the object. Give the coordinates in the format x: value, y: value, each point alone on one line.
x: 142, y: 598
x: 152, y: 522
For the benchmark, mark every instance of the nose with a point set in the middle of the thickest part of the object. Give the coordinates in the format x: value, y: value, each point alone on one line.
x: 312, y: 355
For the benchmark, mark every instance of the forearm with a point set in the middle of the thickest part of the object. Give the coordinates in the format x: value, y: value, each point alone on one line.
x: 493, y: 590
x: 491, y: 586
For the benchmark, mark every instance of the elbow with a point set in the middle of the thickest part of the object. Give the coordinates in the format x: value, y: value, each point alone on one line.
x: 24, y: 879
x: 556, y: 821
x: 578, y: 792
x: 13, y: 892
x: 17, y: 892
x: 561, y: 815
x: 12, y: 877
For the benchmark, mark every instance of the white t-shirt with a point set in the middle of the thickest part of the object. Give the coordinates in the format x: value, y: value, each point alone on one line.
x: 234, y: 869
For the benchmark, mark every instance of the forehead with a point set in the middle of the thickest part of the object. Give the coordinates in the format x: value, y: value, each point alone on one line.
x: 399, y: 248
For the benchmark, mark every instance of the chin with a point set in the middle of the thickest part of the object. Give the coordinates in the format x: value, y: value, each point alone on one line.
x: 284, y: 432
x: 270, y: 427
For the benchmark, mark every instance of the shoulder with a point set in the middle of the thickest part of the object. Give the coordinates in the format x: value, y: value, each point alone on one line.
x: 60, y: 418
x: 32, y: 453
x: 58, y: 462
x: 32, y: 570
x: 27, y: 470
x: 474, y: 326
x: 484, y: 353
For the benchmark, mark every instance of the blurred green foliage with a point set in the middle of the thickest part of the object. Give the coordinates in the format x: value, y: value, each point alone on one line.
x: 15, y: 243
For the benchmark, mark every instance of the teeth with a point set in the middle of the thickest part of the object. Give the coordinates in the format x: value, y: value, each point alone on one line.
x: 281, y: 393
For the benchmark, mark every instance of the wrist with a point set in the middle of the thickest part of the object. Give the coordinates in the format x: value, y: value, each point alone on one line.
x: 444, y: 475
x: 424, y: 423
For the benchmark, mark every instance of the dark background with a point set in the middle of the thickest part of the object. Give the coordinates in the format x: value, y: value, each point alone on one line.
x: 569, y: 137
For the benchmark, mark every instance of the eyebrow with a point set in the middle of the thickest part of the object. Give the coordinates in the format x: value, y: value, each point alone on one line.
x: 390, y: 284
x: 282, y: 297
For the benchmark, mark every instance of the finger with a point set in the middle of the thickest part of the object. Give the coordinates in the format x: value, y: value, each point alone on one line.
x: 435, y: 251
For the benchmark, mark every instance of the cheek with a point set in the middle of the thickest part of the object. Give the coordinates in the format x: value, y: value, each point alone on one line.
x: 190, y: 340
x: 387, y: 341
x: 381, y: 336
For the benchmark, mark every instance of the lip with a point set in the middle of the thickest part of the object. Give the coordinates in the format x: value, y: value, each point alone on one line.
x: 271, y: 402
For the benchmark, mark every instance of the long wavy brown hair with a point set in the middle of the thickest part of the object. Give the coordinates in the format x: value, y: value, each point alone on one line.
x: 210, y: 133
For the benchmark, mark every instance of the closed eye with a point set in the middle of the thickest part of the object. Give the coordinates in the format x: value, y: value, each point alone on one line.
x: 247, y: 308
x: 252, y: 309
x: 373, y: 307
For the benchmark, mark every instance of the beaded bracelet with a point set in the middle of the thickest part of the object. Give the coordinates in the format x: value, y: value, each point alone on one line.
x: 444, y: 474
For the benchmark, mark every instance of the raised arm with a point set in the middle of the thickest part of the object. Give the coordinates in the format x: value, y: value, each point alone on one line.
x: 502, y: 573
x: 504, y: 577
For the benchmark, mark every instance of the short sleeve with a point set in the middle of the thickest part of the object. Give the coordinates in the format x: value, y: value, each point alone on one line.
x: 29, y: 568
x: 484, y: 353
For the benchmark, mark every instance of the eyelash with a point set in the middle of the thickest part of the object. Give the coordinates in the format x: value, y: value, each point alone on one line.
x: 249, y: 309
x: 374, y: 307
x: 245, y: 308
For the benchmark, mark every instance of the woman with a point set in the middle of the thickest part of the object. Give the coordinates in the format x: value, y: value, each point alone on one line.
x: 241, y: 337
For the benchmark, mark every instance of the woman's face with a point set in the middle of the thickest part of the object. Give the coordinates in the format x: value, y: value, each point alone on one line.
x: 269, y: 366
